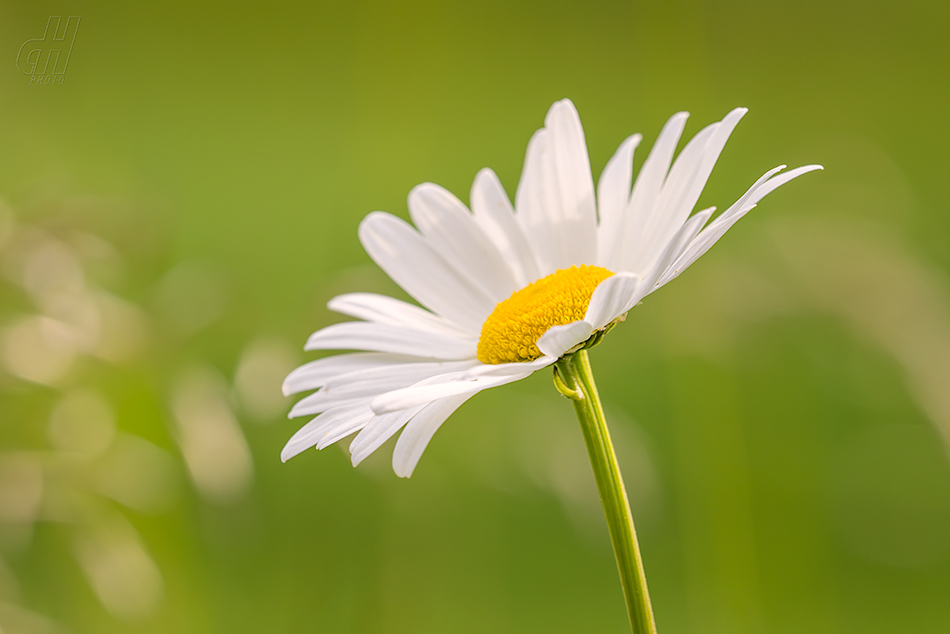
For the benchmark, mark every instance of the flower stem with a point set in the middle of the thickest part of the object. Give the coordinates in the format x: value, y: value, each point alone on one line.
x: 573, y: 378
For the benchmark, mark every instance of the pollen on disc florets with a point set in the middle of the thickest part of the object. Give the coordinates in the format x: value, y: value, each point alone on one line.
x: 511, y: 332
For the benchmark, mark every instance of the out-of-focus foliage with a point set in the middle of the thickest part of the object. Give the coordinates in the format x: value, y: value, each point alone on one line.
x: 178, y: 210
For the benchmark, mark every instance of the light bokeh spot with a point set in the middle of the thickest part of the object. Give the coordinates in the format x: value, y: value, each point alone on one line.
x: 120, y: 570
x: 39, y: 349
x: 263, y: 365
x: 137, y: 474
x: 192, y: 296
x: 82, y: 422
x: 217, y: 455
x: 21, y: 489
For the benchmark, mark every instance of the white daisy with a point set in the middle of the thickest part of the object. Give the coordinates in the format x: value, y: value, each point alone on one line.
x: 508, y: 290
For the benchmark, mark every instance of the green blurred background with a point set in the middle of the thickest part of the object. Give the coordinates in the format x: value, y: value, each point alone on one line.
x: 180, y: 208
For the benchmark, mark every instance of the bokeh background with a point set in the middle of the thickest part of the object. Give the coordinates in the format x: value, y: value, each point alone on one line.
x: 181, y: 203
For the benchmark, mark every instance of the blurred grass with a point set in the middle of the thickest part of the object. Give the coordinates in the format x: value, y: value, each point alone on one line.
x: 789, y: 471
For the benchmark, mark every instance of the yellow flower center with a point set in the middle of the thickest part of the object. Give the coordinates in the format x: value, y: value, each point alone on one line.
x: 512, y: 331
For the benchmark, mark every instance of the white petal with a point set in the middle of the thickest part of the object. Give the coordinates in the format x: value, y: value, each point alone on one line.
x: 495, y: 215
x: 559, y: 339
x: 611, y: 299
x: 346, y: 428
x: 439, y: 387
x: 365, y: 335
x: 311, y: 433
x: 683, y: 186
x: 718, y: 227
x: 380, y: 429
x: 531, y: 201
x: 388, y: 310
x: 665, y: 218
x: 320, y: 402
x: 406, y: 257
x: 314, y: 374
x: 555, y: 198
x: 646, y: 191
x: 573, y: 182
x: 417, y: 434
x: 774, y: 183
x: 505, y: 369
x: 373, y: 382
x: 673, y: 250
x: 694, y: 185
x: 652, y: 232
x: 613, y: 196
x: 406, y: 374
x: 451, y: 230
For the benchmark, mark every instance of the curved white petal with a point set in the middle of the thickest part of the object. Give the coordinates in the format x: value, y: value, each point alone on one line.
x: 683, y: 201
x: 672, y: 251
x: 315, y: 374
x: 319, y: 402
x: 345, y: 428
x: 555, y: 197
x: 388, y: 310
x: 408, y: 259
x: 440, y: 387
x: 419, y: 431
x: 315, y: 430
x: 373, y: 382
x: 653, y: 232
x: 495, y: 215
x: 613, y: 196
x: 505, y: 369
x: 451, y: 230
x: 559, y: 339
x: 683, y: 186
x: 406, y: 374
x: 531, y: 204
x: 375, y: 337
x: 775, y: 182
x: 646, y: 191
x: 711, y: 234
x: 611, y: 299
x: 573, y: 183
x: 381, y: 428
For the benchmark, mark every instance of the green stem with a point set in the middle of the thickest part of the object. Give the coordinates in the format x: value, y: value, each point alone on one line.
x: 574, y: 379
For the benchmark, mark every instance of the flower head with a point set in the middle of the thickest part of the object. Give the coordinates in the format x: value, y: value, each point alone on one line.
x: 507, y: 290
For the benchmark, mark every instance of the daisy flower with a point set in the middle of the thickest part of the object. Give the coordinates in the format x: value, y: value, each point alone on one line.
x: 506, y: 290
